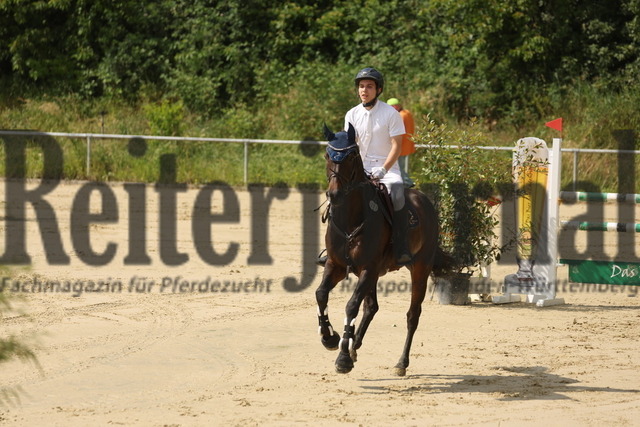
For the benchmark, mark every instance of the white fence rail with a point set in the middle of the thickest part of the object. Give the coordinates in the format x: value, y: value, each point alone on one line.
x: 91, y: 136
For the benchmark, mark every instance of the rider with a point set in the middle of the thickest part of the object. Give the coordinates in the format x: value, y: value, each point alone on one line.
x: 379, y: 130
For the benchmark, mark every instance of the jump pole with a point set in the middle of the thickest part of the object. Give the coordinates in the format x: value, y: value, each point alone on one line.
x: 540, y: 287
x: 582, y: 196
x: 620, y: 227
x: 598, y: 272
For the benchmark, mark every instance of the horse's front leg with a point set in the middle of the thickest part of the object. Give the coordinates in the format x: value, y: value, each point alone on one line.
x: 332, y: 275
x: 347, y: 356
x: 370, y: 308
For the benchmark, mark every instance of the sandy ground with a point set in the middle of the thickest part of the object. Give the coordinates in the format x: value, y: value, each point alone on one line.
x: 151, y: 356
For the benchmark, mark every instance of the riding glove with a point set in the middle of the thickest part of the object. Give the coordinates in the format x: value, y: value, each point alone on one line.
x: 378, y: 172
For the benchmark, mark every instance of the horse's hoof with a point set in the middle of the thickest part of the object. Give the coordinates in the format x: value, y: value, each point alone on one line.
x: 344, y: 364
x: 331, y: 343
x: 400, y: 371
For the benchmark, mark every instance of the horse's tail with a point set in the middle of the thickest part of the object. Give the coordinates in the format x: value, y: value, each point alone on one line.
x: 443, y: 263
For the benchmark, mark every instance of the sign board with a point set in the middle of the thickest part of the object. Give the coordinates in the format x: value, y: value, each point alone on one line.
x: 603, y: 272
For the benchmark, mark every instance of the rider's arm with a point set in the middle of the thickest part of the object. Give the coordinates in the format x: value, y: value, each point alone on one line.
x: 396, y: 146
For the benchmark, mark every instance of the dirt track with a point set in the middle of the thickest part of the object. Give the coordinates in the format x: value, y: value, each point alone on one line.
x: 253, y: 357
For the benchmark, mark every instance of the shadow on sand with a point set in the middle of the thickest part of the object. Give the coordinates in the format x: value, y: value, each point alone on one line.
x: 509, y: 383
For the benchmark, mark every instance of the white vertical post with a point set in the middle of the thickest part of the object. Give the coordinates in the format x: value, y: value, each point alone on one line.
x: 88, y: 155
x: 549, y: 271
x: 553, y: 195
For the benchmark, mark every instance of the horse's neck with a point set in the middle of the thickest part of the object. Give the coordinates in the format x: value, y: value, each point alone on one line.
x: 360, y: 174
x: 351, y: 212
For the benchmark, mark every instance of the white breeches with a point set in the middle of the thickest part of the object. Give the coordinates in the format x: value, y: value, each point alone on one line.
x: 393, y: 181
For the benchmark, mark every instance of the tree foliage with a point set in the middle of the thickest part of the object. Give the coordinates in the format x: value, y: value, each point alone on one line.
x: 494, y: 58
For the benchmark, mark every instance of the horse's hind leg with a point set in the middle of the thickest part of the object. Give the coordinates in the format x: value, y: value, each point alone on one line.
x: 419, y: 275
x: 332, y: 275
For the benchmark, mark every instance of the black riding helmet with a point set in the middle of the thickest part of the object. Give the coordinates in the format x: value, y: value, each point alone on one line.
x: 370, y: 74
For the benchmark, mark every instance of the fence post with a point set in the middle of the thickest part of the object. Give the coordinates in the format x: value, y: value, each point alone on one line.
x: 88, y: 156
x: 246, y: 162
x: 575, y: 170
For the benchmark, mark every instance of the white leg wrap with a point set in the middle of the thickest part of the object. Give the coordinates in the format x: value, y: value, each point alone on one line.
x: 352, y: 323
x: 326, y: 313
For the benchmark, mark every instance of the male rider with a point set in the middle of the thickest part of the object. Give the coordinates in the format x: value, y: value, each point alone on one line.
x: 379, y: 130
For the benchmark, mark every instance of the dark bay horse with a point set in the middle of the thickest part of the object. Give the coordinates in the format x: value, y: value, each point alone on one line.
x: 358, y: 240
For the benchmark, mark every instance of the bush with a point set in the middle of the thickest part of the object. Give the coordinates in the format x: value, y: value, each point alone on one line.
x: 165, y: 118
x: 461, y: 178
x: 11, y: 347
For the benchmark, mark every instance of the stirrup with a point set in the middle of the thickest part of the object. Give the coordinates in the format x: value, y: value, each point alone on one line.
x: 322, y: 259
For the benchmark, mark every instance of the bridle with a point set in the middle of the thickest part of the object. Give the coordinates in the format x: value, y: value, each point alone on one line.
x: 345, y: 184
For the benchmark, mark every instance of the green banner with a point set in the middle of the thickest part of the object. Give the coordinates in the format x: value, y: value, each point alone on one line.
x: 603, y: 272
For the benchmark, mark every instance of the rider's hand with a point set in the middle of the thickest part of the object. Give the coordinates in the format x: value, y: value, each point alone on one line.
x: 378, y: 172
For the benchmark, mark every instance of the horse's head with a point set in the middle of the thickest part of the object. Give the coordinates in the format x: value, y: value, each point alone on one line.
x: 344, y: 164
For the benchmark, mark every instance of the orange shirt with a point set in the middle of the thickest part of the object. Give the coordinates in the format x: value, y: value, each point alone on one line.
x: 408, y: 146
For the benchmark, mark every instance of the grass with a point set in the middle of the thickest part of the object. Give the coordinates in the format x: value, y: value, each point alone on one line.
x: 592, y: 120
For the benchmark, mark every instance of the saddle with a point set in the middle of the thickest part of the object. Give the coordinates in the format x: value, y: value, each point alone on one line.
x: 387, y: 203
x: 384, y: 197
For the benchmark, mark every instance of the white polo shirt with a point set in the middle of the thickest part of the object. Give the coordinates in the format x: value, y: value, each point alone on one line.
x: 374, y: 129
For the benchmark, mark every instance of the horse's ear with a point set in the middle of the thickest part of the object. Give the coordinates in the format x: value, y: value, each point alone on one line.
x: 327, y: 133
x: 351, y: 133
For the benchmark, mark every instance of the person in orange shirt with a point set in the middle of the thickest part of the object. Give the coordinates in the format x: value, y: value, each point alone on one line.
x: 408, y: 146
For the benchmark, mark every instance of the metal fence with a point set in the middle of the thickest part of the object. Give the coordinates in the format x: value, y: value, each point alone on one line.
x: 89, y: 137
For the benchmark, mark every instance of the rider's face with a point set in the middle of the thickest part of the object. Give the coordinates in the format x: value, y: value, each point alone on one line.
x: 367, y: 90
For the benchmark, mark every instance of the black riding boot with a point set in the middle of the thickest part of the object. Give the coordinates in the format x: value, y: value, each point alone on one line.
x: 401, y: 236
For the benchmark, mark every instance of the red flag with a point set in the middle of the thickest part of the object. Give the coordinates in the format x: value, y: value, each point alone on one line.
x: 493, y: 201
x: 555, y: 124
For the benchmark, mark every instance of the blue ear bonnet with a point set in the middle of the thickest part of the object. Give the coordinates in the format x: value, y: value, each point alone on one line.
x: 340, y: 147
x: 341, y: 144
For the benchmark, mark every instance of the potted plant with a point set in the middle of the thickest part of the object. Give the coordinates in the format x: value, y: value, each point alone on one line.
x: 461, y: 180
